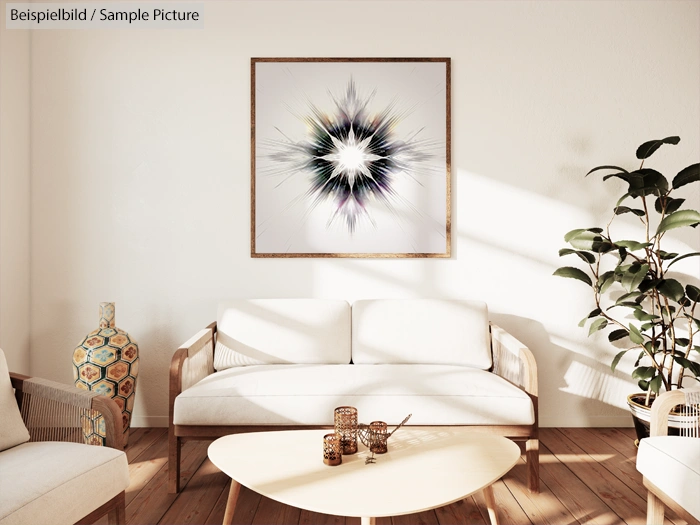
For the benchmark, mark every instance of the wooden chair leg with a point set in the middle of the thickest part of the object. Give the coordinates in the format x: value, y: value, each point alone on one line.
x: 655, y: 510
x: 532, y: 457
x: 117, y: 515
x: 174, y: 446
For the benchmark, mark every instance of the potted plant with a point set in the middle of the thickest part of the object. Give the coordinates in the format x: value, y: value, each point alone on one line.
x: 650, y: 310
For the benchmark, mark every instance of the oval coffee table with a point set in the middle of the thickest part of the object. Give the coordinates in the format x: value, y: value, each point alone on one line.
x: 425, y: 468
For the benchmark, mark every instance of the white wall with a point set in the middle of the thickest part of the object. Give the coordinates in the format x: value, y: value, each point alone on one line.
x: 141, y: 170
x: 15, y: 58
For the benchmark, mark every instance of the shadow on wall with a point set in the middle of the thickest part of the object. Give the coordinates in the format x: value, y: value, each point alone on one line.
x: 567, y: 379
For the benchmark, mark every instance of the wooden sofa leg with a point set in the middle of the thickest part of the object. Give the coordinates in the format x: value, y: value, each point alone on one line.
x: 174, y: 446
x: 532, y: 457
x: 117, y: 515
x: 655, y: 510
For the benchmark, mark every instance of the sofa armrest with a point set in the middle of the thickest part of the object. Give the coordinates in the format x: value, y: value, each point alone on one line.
x: 513, y: 361
x: 57, y: 408
x: 192, y: 362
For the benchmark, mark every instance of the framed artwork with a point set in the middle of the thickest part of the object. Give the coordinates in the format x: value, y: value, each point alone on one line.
x: 350, y: 157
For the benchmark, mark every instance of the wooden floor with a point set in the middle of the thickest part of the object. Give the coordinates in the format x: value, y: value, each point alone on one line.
x: 587, y: 476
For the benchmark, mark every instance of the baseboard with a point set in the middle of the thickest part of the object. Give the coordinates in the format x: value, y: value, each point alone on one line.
x: 586, y: 421
x: 149, y: 421
x: 545, y: 422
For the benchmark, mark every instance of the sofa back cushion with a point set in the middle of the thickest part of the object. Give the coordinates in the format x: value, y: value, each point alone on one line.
x: 424, y: 331
x: 12, y: 429
x: 276, y: 331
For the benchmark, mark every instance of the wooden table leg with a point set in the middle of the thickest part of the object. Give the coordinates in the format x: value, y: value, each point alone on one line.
x: 368, y: 521
x: 491, y: 504
x: 231, y: 502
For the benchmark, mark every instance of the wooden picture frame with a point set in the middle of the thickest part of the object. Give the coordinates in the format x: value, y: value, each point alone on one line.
x: 350, y: 157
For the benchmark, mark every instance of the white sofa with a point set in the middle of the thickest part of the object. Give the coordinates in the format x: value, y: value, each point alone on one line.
x: 47, y: 477
x: 285, y: 363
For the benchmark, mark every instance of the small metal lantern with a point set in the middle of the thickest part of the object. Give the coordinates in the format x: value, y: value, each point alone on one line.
x: 378, y: 436
x: 345, y: 419
x: 331, y: 450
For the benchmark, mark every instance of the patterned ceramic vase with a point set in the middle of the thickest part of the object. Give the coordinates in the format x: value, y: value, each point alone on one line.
x: 107, y: 362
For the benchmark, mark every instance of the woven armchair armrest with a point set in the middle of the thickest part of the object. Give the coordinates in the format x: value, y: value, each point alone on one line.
x: 686, y: 402
x: 50, y: 406
x: 513, y: 361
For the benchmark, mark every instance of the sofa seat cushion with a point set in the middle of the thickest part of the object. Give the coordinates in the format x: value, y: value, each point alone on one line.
x: 421, y: 331
x: 307, y: 395
x: 58, y: 483
x: 672, y: 463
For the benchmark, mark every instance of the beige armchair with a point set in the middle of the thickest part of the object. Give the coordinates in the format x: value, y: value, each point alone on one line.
x: 671, y: 464
x: 47, y: 472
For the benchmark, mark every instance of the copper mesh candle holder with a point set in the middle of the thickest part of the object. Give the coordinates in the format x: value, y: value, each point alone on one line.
x: 378, y: 436
x: 345, y: 419
x: 331, y: 450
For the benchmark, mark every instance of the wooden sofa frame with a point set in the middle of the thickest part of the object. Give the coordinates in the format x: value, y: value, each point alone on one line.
x: 512, y: 361
x: 115, y: 509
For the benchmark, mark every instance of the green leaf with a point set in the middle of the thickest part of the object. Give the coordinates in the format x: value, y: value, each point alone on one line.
x: 595, y: 230
x: 593, y: 241
x: 647, y: 181
x: 666, y: 255
x: 678, y: 219
x: 643, y: 385
x: 593, y: 313
x: 643, y: 316
x: 655, y: 384
x: 647, y: 284
x: 583, y: 255
x: 643, y: 372
x: 646, y: 326
x: 619, y: 210
x: 635, y: 335
x: 605, y: 281
x: 687, y: 175
x: 690, y: 365
x: 693, y: 293
x: 623, y: 254
x: 618, y: 168
x: 596, y: 325
x: 633, y: 245
x: 671, y: 288
x: 670, y: 204
x: 621, y: 199
x: 572, y: 234
x: 616, y: 360
x: 626, y: 304
x: 682, y: 341
x: 648, y: 148
x: 639, y: 357
x: 628, y: 297
x: 616, y: 335
x: 634, y: 276
x: 694, y: 254
x: 573, y: 273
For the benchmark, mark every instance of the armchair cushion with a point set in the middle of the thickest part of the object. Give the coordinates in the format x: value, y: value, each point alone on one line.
x: 278, y: 331
x: 12, y: 430
x: 672, y: 463
x: 58, y: 483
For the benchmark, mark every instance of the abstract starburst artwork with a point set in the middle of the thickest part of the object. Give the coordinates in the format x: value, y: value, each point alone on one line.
x: 350, y: 158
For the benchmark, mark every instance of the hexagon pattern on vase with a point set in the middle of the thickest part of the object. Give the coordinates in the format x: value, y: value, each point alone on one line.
x: 107, y: 362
